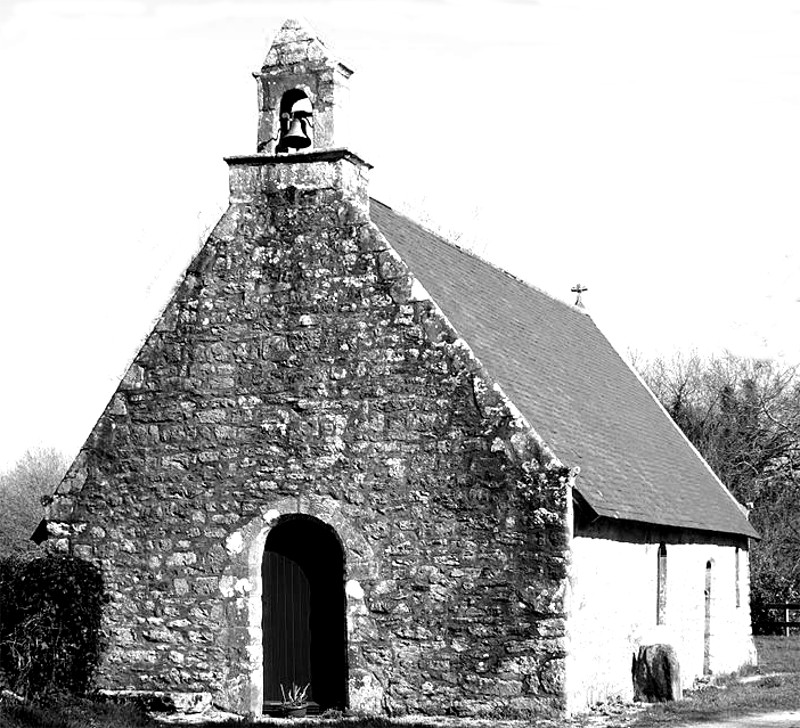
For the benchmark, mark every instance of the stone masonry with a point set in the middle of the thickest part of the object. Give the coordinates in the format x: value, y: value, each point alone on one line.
x: 307, y: 472
x: 301, y: 369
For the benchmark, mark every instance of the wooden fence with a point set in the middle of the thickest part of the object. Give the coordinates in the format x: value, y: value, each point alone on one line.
x: 783, y: 618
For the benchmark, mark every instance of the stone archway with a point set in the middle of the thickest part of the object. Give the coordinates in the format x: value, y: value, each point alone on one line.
x: 244, y: 683
x: 304, y: 629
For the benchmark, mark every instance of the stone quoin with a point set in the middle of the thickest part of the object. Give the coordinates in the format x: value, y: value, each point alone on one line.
x: 353, y: 455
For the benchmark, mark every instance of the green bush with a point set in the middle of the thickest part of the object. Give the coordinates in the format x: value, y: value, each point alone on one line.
x: 50, y: 614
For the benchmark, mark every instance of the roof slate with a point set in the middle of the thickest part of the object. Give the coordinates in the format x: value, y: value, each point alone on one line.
x: 572, y: 386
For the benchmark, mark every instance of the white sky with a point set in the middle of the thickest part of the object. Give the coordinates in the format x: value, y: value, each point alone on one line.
x: 649, y: 150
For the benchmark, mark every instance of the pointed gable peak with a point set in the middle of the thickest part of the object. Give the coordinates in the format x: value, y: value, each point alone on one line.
x: 298, y: 42
x: 295, y: 29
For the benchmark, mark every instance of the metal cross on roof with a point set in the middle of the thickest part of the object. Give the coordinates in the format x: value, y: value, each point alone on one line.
x: 578, y: 289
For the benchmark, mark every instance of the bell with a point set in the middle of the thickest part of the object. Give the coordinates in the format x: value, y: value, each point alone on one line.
x: 295, y: 136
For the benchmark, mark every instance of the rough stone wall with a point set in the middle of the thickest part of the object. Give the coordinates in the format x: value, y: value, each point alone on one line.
x: 300, y: 368
x: 613, y: 579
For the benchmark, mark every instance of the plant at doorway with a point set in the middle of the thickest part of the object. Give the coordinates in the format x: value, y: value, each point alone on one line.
x: 295, y: 701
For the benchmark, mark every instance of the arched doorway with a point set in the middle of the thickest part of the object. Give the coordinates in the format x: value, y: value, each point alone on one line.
x: 303, y: 612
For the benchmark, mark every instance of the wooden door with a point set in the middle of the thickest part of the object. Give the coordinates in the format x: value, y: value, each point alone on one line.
x: 286, y: 624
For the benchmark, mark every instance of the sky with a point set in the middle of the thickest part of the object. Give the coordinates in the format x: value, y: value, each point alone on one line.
x: 646, y: 149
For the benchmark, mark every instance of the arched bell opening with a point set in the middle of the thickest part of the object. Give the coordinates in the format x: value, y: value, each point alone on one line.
x: 296, y: 127
x: 303, y: 612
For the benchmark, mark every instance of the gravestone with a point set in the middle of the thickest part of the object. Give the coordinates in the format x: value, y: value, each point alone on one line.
x: 656, y: 674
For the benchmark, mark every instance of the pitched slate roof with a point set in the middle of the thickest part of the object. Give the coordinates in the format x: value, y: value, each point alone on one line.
x: 572, y: 386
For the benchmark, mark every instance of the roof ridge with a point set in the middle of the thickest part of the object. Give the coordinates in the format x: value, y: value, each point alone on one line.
x: 473, y: 254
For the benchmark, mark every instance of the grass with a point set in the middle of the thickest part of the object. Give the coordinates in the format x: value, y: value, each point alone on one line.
x: 778, y: 654
x: 727, y: 697
x: 70, y: 712
x: 730, y: 697
x: 84, y: 713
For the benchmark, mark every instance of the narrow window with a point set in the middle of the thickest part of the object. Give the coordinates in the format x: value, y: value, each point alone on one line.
x: 707, y: 625
x: 738, y: 587
x: 661, y: 597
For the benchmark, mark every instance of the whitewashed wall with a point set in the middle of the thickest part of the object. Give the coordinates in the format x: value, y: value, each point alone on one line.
x: 612, y: 610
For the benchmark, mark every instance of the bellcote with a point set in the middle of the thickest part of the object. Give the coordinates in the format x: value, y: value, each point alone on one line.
x: 302, y: 94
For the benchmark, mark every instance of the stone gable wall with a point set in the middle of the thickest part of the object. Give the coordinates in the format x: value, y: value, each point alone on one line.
x: 296, y: 370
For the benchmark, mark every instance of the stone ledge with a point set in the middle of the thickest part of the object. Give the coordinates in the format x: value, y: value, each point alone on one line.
x: 162, y: 701
x: 317, y: 155
x: 252, y: 179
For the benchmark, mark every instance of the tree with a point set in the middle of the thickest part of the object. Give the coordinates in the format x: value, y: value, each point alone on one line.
x: 36, y: 474
x: 743, y: 415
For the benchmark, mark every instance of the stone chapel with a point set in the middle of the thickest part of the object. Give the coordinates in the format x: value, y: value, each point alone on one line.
x: 353, y: 455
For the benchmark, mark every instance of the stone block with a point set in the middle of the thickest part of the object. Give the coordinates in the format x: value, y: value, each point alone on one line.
x: 161, y: 701
x: 656, y: 674
x: 366, y: 692
x: 182, y: 558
